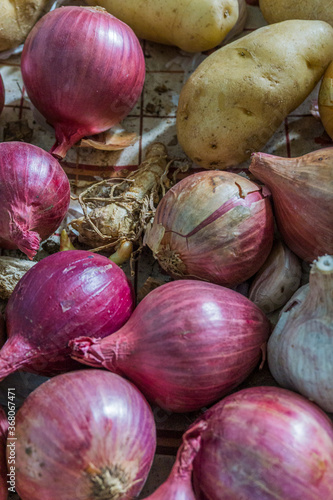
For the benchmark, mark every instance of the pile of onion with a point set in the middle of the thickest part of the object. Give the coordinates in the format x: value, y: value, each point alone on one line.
x: 186, y: 344
x: 264, y: 443
x: 83, y: 70
x: 62, y: 296
x: 214, y: 226
x: 84, y: 435
x: 34, y: 194
x: 2, y: 94
x: 3, y: 462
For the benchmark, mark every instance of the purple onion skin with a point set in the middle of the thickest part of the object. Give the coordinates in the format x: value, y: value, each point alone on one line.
x: 186, y: 345
x: 3, y: 461
x: 2, y: 94
x: 265, y: 443
x: 62, y: 296
x: 83, y: 70
x: 80, y: 427
x: 34, y: 194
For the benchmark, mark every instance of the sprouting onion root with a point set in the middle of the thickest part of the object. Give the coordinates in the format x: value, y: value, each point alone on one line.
x: 118, y: 210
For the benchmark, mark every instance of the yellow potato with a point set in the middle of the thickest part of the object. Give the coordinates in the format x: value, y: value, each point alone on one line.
x: 239, y: 95
x: 17, y: 17
x: 193, y: 26
x: 325, y: 100
x: 275, y: 11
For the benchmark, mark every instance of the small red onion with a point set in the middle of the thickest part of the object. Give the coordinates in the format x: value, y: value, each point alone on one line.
x: 214, y: 226
x: 187, y: 344
x: 34, y: 193
x: 83, y: 70
x: 3, y: 462
x: 264, y: 443
x: 84, y: 435
x: 64, y: 295
x: 2, y: 94
x: 178, y: 485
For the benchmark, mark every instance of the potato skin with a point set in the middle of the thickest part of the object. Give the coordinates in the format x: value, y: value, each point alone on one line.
x: 239, y: 95
x: 193, y: 26
x: 275, y: 11
x: 16, y: 20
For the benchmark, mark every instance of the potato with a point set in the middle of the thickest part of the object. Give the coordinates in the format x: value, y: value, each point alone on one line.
x: 239, y: 95
x: 191, y: 25
x: 275, y: 11
x: 16, y: 20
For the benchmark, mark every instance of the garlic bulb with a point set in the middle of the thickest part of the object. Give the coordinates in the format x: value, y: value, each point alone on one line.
x: 303, y: 199
x: 277, y: 280
x: 300, y: 349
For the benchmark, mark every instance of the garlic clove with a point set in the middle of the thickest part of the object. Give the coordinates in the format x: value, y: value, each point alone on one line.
x: 300, y: 348
x: 302, y: 195
x: 277, y: 280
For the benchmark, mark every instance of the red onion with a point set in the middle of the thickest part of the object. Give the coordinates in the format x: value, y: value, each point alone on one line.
x: 264, y: 443
x: 83, y: 70
x: 34, y: 193
x: 187, y: 344
x: 3, y: 462
x: 178, y: 485
x: 2, y: 94
x: 84, y: 435
x: 64, y: 295
x: 214, y: 226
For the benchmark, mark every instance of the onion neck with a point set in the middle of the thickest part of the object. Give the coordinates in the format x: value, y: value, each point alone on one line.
x: 15, y: 354
x: 66, y: 137
x: 99, y: 353
x: 27, y: 241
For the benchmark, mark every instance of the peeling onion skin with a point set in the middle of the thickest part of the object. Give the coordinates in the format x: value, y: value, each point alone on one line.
x: 34, y: 194
x: 83, y: 70
x: 78, y: 431
x: 300, y: 349
x: 2, y: 94
x: 187, y: 344
x: 265, y: 443
x: 302, y: 197
x: 214, y: 226
x: 59, y: 298
x: 3, y: 463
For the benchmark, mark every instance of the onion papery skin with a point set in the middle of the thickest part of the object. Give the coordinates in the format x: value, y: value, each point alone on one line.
x: 302, y: 197
x: 299, y: 351
x: 84, y: 435
x: 265, y: 443
x: 62, y: 296
x: 83, y: 70
x: 214, y: 226
x: 34, y: 194
x: 2, y: 94
x: 186, y: 344
x: 3, y: 462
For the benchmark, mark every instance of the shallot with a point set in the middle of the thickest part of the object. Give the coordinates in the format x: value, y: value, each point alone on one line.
x: 300, y: 349
x: 264, y: 443
x: 186, y: 344
x: 62, y: 296
x: 84, y: 435
x: 212, y: 225
x: 83, y: 70
x: 34, y: 193
x: 302, y: 197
